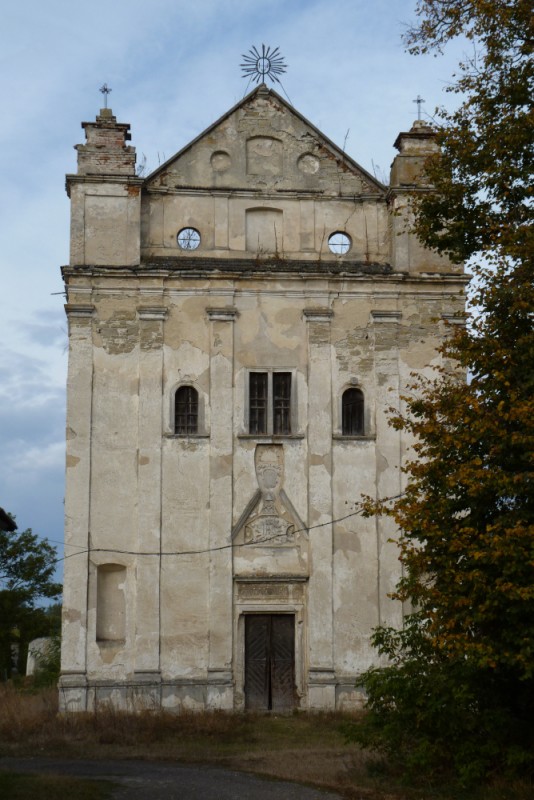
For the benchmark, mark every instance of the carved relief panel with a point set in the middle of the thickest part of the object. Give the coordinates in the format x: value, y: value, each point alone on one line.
x: 271, y: 524
x: 264, y: 156
x: 269, y: 533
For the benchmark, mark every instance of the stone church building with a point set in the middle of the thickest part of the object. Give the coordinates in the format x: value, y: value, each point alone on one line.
x: 240, y: 322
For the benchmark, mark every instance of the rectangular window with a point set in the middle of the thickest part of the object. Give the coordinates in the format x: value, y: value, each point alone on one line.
x: 281, y: 402
x: 258, y: 402
x: 270, y: 403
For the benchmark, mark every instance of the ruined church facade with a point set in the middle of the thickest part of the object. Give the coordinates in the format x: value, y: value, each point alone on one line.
x: 240, y: 323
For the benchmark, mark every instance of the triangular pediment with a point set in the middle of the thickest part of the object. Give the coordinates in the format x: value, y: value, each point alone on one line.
x: 278, y: 525
x: 269, y: 517
x: 263, y: 143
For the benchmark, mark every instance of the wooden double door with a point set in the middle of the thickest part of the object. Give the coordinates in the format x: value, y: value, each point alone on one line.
x: 270, y: 662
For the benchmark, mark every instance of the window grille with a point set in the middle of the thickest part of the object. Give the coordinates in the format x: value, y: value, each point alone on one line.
x: 186, y: 410
x: 258, y: 402
x: 282, y: 402
x: 270, y: 403
x: 352, y: 412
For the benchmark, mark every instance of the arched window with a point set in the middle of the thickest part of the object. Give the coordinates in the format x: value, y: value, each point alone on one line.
x: 352, y: 412
x: 186, y: 410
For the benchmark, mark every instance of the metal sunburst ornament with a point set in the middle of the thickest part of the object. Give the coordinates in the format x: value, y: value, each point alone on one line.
x: 267, y: 64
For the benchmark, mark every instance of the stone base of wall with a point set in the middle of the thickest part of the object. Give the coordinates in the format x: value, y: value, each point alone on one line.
x: 147, y: 691
x: 349, y: 696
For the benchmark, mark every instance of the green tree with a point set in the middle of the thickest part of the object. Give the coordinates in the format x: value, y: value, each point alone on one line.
x: 458, y: 694
x: 27, y: 567
x: 483, y: 176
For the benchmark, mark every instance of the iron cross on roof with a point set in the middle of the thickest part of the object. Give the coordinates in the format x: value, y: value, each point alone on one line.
x: 105, y: 91
x: 419, y: 100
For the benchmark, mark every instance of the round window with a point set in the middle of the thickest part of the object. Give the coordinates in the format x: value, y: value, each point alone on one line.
x: 188, y: 238
x: 339, y: 243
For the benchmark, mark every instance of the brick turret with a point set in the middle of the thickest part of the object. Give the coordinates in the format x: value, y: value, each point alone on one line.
x: 105, y: 151
x: 105, y: 196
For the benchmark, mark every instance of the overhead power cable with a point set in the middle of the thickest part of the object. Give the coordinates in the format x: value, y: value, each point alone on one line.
x: 207, y: 550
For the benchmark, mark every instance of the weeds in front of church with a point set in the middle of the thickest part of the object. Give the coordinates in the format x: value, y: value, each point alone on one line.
x: 307, y: 748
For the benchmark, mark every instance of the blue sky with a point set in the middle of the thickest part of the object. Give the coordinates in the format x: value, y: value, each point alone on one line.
x: 173, y: 66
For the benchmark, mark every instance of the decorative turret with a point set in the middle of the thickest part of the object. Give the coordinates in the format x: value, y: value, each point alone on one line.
x: 414, y: 148
x: 408, y: 178
x: 105, y: 196
x: 106, y: 151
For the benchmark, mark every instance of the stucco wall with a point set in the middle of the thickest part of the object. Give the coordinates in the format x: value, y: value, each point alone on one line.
x: 171, y: 528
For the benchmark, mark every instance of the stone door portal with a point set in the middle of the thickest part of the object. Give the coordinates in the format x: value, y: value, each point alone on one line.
x: 269, y: 662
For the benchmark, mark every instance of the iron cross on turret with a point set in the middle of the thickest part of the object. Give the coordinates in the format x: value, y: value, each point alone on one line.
x: 105, y: 91
x: 419, y: 100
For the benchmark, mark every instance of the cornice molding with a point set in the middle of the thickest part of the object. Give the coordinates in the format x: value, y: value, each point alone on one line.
x: 81, y: 311
x: 152, y: 312
x: 227, y: 314
x: 318, y: 314
x: 386, y: 316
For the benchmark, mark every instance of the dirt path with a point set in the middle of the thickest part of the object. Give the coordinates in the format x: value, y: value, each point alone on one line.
x: 144, y: 780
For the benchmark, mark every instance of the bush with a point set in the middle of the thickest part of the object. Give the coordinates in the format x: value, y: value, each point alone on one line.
x: 48, y: 665
x: 439, y: 719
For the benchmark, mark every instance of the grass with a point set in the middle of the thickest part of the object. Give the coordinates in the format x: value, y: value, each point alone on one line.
x: 308, y: 748
x: 53, y: 787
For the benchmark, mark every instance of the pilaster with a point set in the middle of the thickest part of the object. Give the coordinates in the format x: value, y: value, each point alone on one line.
x: 220, y: 680
x: 77, y: 506
x: 386, y: 325
x: 149, y: 459
x: 321, y: 679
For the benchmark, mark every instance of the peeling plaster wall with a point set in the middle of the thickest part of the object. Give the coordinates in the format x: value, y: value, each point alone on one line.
x: 371, y: 346
x: 196, y: 533
x: 272, y: 138
x: 285, y: 169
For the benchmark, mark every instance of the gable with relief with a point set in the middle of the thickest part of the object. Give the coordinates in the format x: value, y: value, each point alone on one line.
x: 264, y: 156
x: 264, y: 143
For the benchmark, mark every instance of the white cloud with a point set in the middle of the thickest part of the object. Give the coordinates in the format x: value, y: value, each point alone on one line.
x: 34, y: 458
